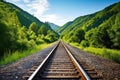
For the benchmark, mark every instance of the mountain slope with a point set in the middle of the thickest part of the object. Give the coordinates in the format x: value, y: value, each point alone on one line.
x: 10, y: 13
x: 53, y: 26
x: 95, y: 29
x: 93, y: 20
x: 61, y: 29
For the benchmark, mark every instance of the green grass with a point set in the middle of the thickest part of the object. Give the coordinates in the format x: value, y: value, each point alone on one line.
x: 104, y: 52
x: 12, y: 57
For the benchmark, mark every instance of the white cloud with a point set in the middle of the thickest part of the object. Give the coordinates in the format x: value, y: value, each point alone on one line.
x: 49, y: 17
x: 54, y: 18
x: 38, y: 7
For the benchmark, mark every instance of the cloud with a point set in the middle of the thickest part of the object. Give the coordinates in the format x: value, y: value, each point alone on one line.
x: 38, y: 7
x: 49, y: 17
x: 54, y: 18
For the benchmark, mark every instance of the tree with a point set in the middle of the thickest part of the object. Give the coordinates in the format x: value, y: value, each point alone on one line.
x: 51, y: 36
x: 99, y: 37
x: 8, y: 38
x: 94, y: 36
x: 114, y: 33
x: 78, y: 36
x: 33, y: 27
x: 84, y: 43
x: 43, y: 30
x: 4, y: 38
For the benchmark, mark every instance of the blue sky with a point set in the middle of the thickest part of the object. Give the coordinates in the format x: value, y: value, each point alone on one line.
x: 61, y: 11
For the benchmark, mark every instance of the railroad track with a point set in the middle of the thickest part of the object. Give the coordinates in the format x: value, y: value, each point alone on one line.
x: 59, y: 64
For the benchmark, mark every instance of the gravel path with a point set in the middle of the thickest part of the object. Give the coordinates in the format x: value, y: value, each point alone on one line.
x: 16, y: 70
x: 108, y: 69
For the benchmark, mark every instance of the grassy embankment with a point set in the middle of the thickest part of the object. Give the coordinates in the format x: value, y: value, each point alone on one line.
x: 104, y: 52
x: 12, y: 57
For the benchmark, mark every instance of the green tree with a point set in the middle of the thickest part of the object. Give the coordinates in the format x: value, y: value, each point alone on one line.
x: 43, y: 30
x: 114, y: 33
x: 93, y: 36
x: 22, y: 38
x: 51, y: 36
x: 78, y: 36
x: 84, y: 43
x: 33, y: 27
x: 98, y: 37
x: 4, y: 38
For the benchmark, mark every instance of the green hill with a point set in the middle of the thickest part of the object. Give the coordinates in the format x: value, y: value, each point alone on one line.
x: 61, y: 29
x: 100, y: 29
x: 20, y: 30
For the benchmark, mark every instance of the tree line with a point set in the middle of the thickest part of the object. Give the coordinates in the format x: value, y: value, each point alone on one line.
x: 14, y: 38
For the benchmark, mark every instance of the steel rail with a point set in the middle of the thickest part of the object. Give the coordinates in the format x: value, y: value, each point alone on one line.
x: 43, y: 62
x: 79, y: 68
x: 86, y: 77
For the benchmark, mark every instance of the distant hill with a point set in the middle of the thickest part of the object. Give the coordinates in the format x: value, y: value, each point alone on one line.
x: 53, y: 26
x: 85, y: 27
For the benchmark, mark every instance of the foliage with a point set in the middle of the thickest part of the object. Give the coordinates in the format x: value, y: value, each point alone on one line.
x: 100, y: 29
x: 33, y: 27
x: 106, y: 53
x: 84, y: 43
x: 111, y: 54
x: 3, y: 40
x: 98, y: 33
x: 20, y: 31
x: 11, y: 57
x: 43, y: 30
x: 61, y: 29
x: 77, y: 36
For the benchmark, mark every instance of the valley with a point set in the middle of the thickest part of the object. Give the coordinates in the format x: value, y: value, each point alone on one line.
x: 27, y: 39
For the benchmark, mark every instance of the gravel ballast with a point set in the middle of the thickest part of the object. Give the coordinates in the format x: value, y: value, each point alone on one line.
x: 18, y: 69
x: 108, y: 69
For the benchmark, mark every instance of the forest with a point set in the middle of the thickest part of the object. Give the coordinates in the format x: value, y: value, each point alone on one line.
x: 21, y: 31
x: 98, y: 33
x: 100, y: 29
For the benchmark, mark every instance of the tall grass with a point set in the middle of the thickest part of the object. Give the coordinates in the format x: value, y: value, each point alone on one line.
x: 104, y: 52
x: 11, y: 57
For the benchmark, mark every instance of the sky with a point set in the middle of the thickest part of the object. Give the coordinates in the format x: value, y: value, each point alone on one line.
x: 61, y: 11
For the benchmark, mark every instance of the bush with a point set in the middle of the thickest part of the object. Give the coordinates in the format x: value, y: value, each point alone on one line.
x: 84, y: 43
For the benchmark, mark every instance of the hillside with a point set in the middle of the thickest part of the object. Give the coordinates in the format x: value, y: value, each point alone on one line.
x: 95, y: 29
x: 53, y: 26
x: 20, y: 30
x: 62, y: 28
